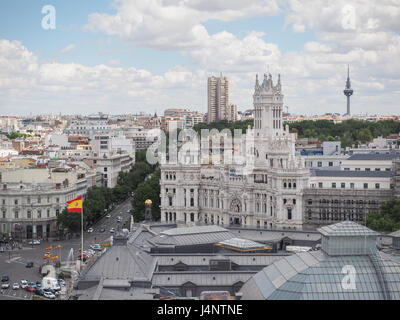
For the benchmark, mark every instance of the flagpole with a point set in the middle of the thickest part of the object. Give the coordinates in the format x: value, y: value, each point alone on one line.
x: 82, y: 236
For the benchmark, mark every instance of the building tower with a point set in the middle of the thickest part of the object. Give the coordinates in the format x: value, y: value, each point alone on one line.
x: 348, y: 91
x: 218, y: 99
x: 268, y: 105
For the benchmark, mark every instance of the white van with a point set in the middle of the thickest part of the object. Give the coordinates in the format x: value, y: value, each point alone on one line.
x: 50, y: 283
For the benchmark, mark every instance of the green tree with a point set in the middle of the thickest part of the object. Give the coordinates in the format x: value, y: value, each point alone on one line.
x: 388, y: 219
x: 364, y: 135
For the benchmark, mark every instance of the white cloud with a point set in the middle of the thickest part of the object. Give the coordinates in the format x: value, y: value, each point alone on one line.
x: 68, y: 48
x: 171, y: 25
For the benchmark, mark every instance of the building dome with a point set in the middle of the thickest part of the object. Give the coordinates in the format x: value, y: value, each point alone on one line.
x: 148, y: 202
x: 322, y: 275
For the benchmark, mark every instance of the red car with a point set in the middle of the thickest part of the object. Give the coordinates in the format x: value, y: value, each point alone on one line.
x: 30, y: 289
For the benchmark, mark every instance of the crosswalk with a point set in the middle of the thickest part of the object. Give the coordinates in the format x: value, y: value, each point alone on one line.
x: 20, y: 294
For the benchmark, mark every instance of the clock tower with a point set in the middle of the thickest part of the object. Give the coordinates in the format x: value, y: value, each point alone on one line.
x: 268, y: 106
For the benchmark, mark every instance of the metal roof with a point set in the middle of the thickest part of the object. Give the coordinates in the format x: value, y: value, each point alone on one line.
x: 123, y: 263
x: 317, y: 276
x: 204, y: 259
x: 242, y: 243
x: 205, y: 279
x: 191, y: 236
x: 193, y: 230
x: 374, y: 156
x: 264, y: 235
x: 346, y: 229
x: 351, y: 173
x: 395, y: 234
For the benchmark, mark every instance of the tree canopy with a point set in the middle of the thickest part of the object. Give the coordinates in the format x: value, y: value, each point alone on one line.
x: 388, y: 219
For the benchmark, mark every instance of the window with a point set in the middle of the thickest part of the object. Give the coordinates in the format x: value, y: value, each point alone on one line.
x: 352, y: 185
x: 346, y: 169
x: 377, y: 186
x: 367, y: 169
x: 48, y: 213
x: 333, y: 185
x: 294, y: 201
x: 365, y: 185
x: 377, y: 169
x: 39, y: 213
x: 320, y: 185
x: 16, y: 214
x: 343, y: 185
x: 330, y: 164
x: 358, y: 169
x: 170, y: 201
x: 319, y: 163
x: 105, y: 169
x: 289, y: 214
x: 29, y: 214
x: 192, y: 202
x: 15, y: 201
x: 284, y: 201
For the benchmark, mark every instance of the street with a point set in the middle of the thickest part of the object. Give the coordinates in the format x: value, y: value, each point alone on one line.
x: 12, y: 263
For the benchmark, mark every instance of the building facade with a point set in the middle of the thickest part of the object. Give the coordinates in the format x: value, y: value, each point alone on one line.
x: 32, y: 199
x: 228, y: 194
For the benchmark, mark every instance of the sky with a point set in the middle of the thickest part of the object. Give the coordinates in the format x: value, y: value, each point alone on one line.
x: 128, y: 56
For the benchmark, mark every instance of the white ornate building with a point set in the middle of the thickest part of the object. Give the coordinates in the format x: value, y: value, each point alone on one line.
x: 266, y: 191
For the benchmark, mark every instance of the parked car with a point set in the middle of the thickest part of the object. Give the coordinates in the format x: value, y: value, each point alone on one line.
x: 5, y: 278
x: 35, y: 242
x: 15, y: 286
x: 102, y: 230
x: 2, y: 249
x: 32, y: 284
x: 5, y: 285
x: 112, y: 230
x: 90, y: 252
x: 29, y: 264
x: 61, y: 282
x: 96, y: 247
x: 30, y: 288
x: 48, y: 294
x: 90, y: 230
x: 24, y: 284
x: 108, y: 216
x: 39, y: 291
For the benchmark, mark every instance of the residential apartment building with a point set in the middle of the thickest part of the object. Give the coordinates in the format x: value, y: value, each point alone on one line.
x: 218, y: 99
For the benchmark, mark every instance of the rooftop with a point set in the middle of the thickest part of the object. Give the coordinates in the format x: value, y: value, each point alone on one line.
x: 346, y: 228
x: 349, y: 173
x: 375, y: 156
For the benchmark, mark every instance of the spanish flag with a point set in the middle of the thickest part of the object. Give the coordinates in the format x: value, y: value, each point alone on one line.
x: 54, y: 258
x: 75, y: 206
x: 58, y: 247
x: 46, y: 256
x: 49, y: 248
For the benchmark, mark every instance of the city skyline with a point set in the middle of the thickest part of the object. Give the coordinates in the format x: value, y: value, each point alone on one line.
x: 129, y: 57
